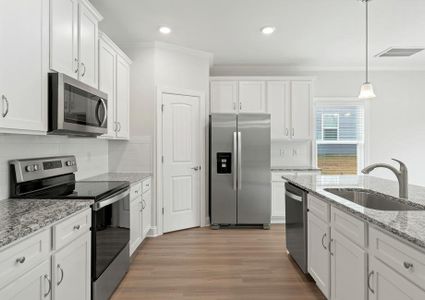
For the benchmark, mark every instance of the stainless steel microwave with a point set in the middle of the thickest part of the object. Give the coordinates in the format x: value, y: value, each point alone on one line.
x: 76, y: 108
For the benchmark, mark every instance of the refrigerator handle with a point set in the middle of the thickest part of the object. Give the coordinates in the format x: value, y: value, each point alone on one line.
x: 239, y: 160
x: 234, y: 162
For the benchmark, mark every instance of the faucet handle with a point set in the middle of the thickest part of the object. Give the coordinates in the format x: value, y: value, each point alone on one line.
x: 402, y: 164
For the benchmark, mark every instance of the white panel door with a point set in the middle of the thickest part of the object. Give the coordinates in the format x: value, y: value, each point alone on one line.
x: 278, y: 105
x: 348, y: 269
x: 35, y: 284
x: 387, y: 284
x: 88, y: 26
x: 301, y: 105
x: 319, y: 261
x: 181, y: 151
x: 123, y: 99
x: 252, y: 96
x: 72, y: 270
x: 278, y: 202
x: 24, y: 38
x: 107, y: 73
x: 224, y: 96
x: 64, y: 37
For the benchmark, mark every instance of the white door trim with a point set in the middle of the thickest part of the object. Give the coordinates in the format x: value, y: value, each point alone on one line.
x: 158, y: 153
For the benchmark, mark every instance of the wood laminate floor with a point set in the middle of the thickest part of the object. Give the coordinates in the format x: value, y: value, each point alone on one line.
x: 221, y: 264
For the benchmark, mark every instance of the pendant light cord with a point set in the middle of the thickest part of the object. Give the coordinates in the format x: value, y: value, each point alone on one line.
x: 367, y: 40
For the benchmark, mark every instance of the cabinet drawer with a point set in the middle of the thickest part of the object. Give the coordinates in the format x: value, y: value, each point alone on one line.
x: 135, y: 190
x: 71, y: 228
x: 319, y: 207
x: 147, y: 185
x: 20, y: 258
x: 397, y: 255
x: 352, y: 228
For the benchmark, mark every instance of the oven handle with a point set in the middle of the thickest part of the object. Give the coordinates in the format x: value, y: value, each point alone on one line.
x: 108, y: 201
x: 294, y: 197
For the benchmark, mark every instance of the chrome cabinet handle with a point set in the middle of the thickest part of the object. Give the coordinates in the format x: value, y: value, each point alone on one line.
x: 76, y: 63
x: 60, y: 281
x: 293, y: 132
x: 6, y: 102
x: 84, y: 72
x: 115, y: 126
x: 240, y: 105
x: 143, y: 204
x: 20, y: 260
x: 330, y: 247
x: 323, y: 243
x: 368, y: 282
x: 234, y: 105
x: 119, y: 126
x: 50, y: 285
x: 77, y: 227
x: 286, y: 131
x: 408, y: 266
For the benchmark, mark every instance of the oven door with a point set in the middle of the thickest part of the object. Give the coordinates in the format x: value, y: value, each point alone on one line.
x: 110, y: 234
x: 76, y: 108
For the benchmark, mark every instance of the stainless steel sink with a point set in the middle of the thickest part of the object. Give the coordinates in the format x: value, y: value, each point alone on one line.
x: 371, y: 199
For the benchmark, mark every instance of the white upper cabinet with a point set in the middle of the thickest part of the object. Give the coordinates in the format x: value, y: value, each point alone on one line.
x: 24, y: 35
x: 74, y: 39
x: 224, y: 96
x: 64, y: 36
x: 278, y: 105
x: 301, y: 105
x: 252, y: 96
x: 123, y: 98
x: 114, y: 79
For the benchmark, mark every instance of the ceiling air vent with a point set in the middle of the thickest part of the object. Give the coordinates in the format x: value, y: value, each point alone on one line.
x: 399, y: 52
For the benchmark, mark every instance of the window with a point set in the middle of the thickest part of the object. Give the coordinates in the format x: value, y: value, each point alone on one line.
x: 339, y: 137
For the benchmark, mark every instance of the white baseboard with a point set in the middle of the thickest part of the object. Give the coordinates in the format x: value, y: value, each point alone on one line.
x: 207, y: 222
x: 153, y: 232
x: 278, y: 220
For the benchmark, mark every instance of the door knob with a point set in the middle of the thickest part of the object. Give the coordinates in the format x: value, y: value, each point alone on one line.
x: 195, y: 168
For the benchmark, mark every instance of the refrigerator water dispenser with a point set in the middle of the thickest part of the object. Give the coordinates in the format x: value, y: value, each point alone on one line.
x: 224, y: 163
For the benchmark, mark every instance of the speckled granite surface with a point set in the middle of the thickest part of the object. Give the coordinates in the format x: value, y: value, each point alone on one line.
x: 22, y: 217
x: 407, y: 225
x: 294, y: 169
x: 116, y: 176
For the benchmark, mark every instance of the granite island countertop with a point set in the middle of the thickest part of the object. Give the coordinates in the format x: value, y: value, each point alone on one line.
x: 132, y: 177
x: 407, y: 225
x: 21, y: 217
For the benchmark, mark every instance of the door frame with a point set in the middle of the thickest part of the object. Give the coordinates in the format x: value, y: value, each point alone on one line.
x: 158, y: 150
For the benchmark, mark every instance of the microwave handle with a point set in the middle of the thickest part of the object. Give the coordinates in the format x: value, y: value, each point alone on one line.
x: 102, y: 102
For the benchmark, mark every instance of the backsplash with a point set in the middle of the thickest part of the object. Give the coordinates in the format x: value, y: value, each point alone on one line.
x: 91, y: 154
x: 291, y: 154
x: 134, y: 155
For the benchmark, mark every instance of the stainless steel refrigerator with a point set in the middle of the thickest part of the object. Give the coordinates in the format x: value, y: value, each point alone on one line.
x: 240, y: 176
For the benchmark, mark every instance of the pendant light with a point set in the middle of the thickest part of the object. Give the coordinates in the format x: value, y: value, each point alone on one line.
x: 366, y: 90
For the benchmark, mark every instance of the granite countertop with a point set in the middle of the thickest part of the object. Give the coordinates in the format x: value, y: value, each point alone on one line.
x: 295, y: 169
x: 118, y: 176
x: 407, y: 225
x: 22, y: 217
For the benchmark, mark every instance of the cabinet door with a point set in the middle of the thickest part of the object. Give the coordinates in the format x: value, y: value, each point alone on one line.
x: 88, y: 28
x: 387, y: 284
x: 278, y: 105
x: 72, y: 270
x: 224, y: 96
x: 147, y: 212
x: 123, y: 98
x: 252, y: 96
x: 24, y: 35
x: 33, y: 285
x: 278, y: 202
x: 107, y: 76
x: 301, y: 105
x: 319, y: 261
x: 348, y: 269
x: 135, y: 224
x: 64, y: 37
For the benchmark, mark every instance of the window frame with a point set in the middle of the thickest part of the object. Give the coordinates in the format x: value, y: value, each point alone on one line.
x: 362, y: 146
x: 327, y: 127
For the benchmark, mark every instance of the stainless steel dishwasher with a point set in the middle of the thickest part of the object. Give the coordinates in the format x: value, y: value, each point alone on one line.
x: 296, y: 224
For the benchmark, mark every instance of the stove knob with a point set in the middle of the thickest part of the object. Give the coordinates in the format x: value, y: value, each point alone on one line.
x: 68, y: 163
x: 35, y: 167
x: 29, y: 168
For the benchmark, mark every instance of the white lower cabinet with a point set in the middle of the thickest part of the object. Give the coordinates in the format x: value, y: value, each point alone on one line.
x: 318, y: 253
x: 278, y: 202
x: 135, y: 223
x: 147, y: 207
x: 35, y: 284
x: 72, y: 269
x: 387, y: 284
x: 348, y: 269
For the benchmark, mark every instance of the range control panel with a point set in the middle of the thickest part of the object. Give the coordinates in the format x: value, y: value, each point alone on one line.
x: 224, y: 163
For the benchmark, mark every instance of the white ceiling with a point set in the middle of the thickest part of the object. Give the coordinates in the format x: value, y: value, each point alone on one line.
x: 310, y: 33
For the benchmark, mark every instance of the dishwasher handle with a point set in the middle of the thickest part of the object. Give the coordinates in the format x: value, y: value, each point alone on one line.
x: 293, y: 196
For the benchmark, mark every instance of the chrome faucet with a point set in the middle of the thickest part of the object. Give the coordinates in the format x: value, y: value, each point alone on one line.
x: 401, y: 175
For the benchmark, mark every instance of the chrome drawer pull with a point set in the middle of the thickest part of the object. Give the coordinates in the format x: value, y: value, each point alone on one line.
x: 60, y: 281
x: 20, y: 260
x: 408, y: 266
x: 368, y: 282
x: 323, y: 243
x: 77, y: 227
x: 50, y: 285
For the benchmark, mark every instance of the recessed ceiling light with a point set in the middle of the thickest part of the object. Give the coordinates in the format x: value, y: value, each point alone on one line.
x: 267, y: 30
x: 165, y: 30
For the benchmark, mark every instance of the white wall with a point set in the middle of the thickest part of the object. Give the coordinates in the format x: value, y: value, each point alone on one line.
x: 397, y: 115
x: 91, y: 154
